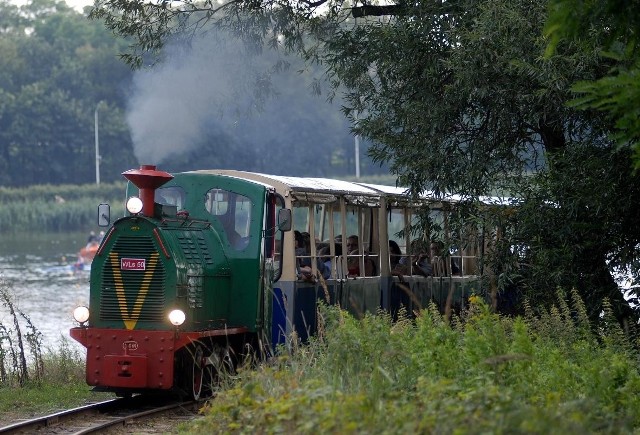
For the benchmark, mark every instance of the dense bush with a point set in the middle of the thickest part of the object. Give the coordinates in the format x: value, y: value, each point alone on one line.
x: 57, y: 208
x: 483, y: 373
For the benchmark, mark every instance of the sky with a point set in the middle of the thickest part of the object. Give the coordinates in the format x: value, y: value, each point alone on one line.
x: 76, y: 4
x: 79, y: 4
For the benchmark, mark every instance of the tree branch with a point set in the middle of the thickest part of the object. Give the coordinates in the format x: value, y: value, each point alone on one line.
x: 375, y: 11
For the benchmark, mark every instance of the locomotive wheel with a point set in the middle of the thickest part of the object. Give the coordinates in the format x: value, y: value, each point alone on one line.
x: 197, y: 372
x: 223, y: 360
x: 209, y: 380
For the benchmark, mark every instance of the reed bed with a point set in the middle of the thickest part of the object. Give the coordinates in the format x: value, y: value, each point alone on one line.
x: 57, y: 208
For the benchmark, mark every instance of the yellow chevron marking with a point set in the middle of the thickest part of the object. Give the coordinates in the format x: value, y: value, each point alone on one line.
x: 130, y: 319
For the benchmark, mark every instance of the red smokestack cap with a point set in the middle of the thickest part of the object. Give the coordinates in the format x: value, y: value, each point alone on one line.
x: 147, y: 179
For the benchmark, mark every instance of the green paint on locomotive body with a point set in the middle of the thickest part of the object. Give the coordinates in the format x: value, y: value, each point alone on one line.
x: 150, y: 266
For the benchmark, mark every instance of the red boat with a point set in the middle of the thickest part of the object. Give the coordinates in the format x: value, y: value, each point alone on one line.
x: 87, y: 253
x: 85, y: 256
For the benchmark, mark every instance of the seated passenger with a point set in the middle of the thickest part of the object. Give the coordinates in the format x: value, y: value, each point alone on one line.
x: 303, y: 250
x: 395, y: 254
x: 303, y: 257
x: 420, y: 264
x: 325, y: 265
x: 353, y: 263
x: 437, y: 261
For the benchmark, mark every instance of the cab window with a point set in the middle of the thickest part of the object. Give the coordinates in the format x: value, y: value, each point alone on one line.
x: 233, y: 211
x: 173, y: 195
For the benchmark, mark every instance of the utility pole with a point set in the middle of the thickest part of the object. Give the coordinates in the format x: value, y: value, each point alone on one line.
x: 95, y: 116
x: 357, y: 151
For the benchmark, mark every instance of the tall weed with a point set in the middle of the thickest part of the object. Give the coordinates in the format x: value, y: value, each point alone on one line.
x: 17, y: 346
x: 480, y: 373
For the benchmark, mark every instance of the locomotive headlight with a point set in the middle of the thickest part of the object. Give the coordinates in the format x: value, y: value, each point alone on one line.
x: 134, y: 205
x: 81, y: 314
x: 177, y: 317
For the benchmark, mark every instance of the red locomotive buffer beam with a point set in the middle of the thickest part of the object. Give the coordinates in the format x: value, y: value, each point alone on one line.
x: 128, y: 359
x: 119, y: 358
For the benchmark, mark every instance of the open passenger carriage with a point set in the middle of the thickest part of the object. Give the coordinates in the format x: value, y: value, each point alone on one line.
x: 332, y: 211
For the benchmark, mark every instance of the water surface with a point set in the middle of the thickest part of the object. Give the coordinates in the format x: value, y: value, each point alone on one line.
x: 39, y: 271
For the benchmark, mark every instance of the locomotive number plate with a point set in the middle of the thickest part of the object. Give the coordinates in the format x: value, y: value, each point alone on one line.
x: 130, y: 345
x: 133, y: 264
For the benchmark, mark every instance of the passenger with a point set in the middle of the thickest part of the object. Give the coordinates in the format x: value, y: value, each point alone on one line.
x: 303, y: 260
x: 420, y: 264
x: 395, y: 254
x: 306, y: 245
x: 302, y: 250
x: 455, y: 262
x: 92, y: 239
x: 325, y: 265
x: 353, y: 263
x: 353, y: 259
x: 437, y: 261
x: 352, y: 243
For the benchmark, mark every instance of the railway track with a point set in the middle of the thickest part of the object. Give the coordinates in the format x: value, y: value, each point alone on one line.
x: 103, y: 416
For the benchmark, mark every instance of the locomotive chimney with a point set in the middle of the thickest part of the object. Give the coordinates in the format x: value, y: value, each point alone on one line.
x: 147, y: 179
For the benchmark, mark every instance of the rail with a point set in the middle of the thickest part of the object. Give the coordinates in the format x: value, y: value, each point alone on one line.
x: 97, y: 417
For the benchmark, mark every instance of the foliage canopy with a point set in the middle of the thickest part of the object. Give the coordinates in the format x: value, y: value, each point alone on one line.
x: 56, y: 70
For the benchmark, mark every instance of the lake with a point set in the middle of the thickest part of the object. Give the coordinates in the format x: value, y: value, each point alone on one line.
x: 38, y: 271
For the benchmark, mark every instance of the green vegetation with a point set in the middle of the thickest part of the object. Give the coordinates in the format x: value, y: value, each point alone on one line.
x: 34, y: 380
x: 57, y: 69
x: 60, y: 385
x: 482, y: 373
x: 479, y: 373
x: 57, y: 208
x: 611, y: 32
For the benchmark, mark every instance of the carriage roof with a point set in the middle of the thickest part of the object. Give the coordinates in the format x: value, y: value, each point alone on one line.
x: 324, y: 190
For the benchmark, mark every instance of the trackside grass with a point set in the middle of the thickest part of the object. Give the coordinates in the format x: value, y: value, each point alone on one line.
x: 481, y: 373
x: 52, y: 393
x: 35, y: 380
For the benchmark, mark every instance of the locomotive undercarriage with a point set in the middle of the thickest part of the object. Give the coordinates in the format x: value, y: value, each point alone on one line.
x: 137, y: 361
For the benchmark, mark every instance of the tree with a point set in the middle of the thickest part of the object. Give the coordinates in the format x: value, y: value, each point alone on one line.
x: 458, y: 98
x: 55, y: 67
x: 608, y: 28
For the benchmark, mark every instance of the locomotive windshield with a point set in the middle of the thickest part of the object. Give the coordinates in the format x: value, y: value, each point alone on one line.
x: 173, y: 195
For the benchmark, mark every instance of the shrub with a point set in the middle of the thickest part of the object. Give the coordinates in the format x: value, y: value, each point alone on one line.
x: 479, y: 373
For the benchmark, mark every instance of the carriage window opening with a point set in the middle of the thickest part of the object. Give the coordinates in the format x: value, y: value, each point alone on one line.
x: 300, y: 216
x: 362, y: 255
